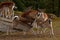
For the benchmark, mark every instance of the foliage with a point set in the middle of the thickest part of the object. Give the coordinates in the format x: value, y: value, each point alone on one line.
x: 20, y: 5
x: 51, y: 6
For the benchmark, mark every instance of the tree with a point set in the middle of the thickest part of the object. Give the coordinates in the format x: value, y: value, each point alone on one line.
x: 51, y: 6
x: 20, y: 5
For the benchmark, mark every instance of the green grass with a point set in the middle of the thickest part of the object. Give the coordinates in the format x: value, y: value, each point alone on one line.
x: 56, y: 23
x: 18, y: 13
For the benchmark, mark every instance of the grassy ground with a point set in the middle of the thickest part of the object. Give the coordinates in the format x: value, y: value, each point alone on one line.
x: 19, y: 36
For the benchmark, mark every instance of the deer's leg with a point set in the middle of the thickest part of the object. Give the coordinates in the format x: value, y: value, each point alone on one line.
x: 34, y: 29
x: 24, y: 32
x: 38, y: 29
x: 51, y: 29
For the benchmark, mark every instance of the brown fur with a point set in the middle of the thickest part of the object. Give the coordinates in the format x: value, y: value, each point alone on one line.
x: 28, y: 16
x: 6, y: 4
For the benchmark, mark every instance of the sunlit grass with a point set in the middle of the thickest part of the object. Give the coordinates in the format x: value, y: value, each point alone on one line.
x: 18, y: 13
x: 56, y: 23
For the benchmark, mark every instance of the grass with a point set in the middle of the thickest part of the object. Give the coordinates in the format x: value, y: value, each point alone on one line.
x: 19, y: 36
x: 56, y: 23
x: 18, y: 13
